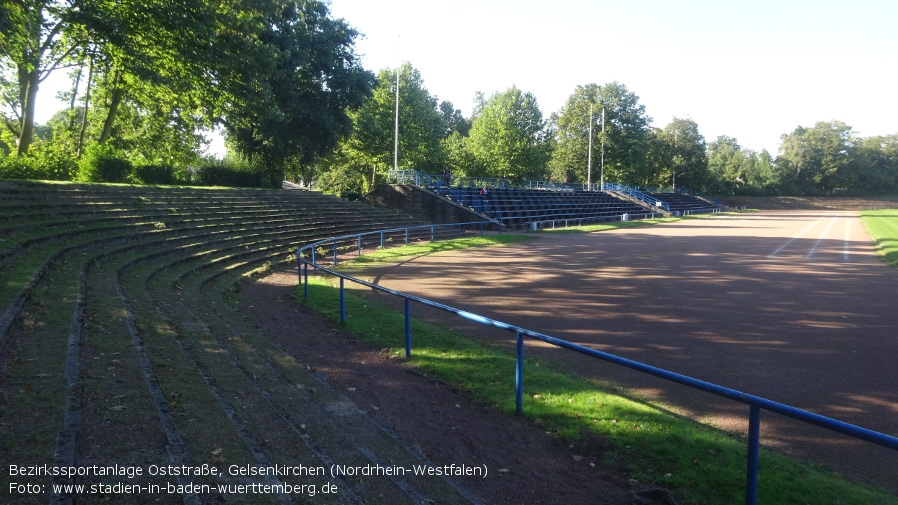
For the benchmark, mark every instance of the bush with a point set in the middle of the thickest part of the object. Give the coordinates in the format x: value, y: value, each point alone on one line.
x: 156, y: 174
x: 47, y: 166
x: 226, y: 173
x: 103, y: 163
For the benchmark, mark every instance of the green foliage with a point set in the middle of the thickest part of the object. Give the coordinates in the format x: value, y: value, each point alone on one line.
x: 292, y: 97
x: 230, y: 173
x: 685, y: 150
x: 509, y: 137
x: 42, y: 163
x: 459, y: 158
x: 103, y: 163
x: 733, y: 170
x: 157, y: 174
x: 818, y: 160
x: 360, y: 159
x: 626, y: 137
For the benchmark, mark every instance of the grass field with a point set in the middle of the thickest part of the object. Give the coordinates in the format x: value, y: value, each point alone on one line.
x: 883, y: 227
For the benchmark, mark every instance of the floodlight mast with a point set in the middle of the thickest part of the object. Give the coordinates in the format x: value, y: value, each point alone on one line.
x: 589, y: 154
x: 396, y: 134
x: 602, y: 179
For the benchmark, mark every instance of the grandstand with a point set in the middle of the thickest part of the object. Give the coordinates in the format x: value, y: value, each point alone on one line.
x: 536, y: 204
x: 683, y: 202
x: 529, y: 208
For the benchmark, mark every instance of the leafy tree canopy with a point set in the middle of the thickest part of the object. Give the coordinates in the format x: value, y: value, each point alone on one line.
x: 509, y: 137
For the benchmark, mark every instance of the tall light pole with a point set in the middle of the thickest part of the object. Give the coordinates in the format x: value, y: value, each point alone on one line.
x: 396, y: 134
x: 602, y: 180
x: 589, y: 153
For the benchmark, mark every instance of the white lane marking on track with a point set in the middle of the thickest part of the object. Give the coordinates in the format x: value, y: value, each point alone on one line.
x: 820, y: 239
x: 845, y: 255
x: 796, y: 237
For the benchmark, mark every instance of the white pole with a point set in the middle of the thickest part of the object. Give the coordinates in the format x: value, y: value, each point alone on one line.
x: 396, y: 134
x: 602, y: 181
x: 589, y: 153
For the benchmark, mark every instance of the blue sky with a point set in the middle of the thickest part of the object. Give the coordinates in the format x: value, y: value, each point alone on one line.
x: 750, y: 70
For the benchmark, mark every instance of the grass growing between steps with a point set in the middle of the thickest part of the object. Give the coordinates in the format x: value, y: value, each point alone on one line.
x: 701, y: 465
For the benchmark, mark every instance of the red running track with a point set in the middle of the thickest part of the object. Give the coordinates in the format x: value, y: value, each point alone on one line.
x: 794, y: 306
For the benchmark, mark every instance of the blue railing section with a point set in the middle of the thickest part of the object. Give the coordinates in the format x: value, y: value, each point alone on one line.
x: 413, y: 177
x: 635, y: 193
x: 306, y: 256
x: 543, y: 224
x: 436, y: 181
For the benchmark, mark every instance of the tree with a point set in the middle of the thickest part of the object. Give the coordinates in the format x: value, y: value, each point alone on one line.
x: 818, y: 160
x: 686, y: 153
x: 728, y: 166
x: 36, y: 40
x: 455, y: 121
x: 421, y: 124
x: 293, y: 104
x: 510, y: 138
x: 626, y: 136
x: 570, y: 159
x: 369, y: 150
x: 878, y: 171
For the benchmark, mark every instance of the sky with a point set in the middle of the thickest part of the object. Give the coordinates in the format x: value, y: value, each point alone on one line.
x: 749, y: 70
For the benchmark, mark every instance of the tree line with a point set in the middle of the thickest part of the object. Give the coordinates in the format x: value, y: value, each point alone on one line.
x: 282, y: 81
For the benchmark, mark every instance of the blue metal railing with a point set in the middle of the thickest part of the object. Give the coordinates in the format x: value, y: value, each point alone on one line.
x: 635, y: 193
x: 541, y: 224
x: 413, y: 177
x: 756, y: 404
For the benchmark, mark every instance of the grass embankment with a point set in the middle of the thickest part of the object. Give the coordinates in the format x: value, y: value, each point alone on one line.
x: 701, y: 465
x: 883, y: 227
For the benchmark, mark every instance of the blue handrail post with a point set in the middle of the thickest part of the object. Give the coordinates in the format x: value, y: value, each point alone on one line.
x: 381, y: 240
x: 408, y: 328
x: 360, y: 244
x: 754, y: 442
x: 519, y: 378
x: 406, y: 236
x: 306, y: 268
x: 342, y: 302
x: 335, y: 252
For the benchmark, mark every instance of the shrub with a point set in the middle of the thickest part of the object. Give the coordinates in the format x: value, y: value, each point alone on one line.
x: 103, y: 163
x: 47, y: 166
x: 156, y: 174
x: 228, y: 173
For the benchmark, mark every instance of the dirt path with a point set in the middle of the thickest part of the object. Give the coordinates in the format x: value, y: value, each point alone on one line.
x: 524, y: 464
